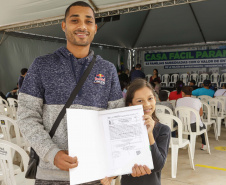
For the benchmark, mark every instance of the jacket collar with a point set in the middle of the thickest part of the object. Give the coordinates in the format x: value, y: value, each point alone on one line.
x: 70, y: 56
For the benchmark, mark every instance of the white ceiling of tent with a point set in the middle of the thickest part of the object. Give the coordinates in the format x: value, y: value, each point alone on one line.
x: 201, y: 22
x: 20, y: 11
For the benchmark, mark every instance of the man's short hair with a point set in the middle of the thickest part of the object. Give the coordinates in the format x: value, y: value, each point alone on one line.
x: 187, y: 90
x: 78, y: 3
x: 193, y: 81
x: 23, y: 71
x: 206, y: 82
x: 163, y: 95
x: 138, y: 66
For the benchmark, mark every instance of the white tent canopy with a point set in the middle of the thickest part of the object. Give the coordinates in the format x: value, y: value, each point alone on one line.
x: 142, y: 23
x: 14, y: 12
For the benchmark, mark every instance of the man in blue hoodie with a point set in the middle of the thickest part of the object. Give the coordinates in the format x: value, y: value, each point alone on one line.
x: 48, y: 85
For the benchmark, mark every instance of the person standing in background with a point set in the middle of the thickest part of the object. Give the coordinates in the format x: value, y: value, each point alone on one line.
x: 22, y: 76
x: 155, y: 76
x: 137, y: 73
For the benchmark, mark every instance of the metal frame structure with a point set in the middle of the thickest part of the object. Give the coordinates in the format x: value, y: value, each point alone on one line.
x: 118, y: 9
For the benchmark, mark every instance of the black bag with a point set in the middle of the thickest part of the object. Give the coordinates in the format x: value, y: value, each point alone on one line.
x: 34, y: 158
x: 32, y: 165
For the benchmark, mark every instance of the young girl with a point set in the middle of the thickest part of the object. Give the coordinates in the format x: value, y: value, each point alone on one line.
x: 140, y: 92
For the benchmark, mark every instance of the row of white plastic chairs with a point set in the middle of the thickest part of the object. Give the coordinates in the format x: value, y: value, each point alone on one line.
x: 11, y: 141
x: 215, y: 78
x: 219, y: 102
x: 211, y: 113
x: 11, y: 174
x: 175, y: 144
x: 12, y: 144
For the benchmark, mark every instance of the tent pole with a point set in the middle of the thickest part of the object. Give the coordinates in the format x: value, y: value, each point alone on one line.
x: 141, y: 28
x: 200, y: 29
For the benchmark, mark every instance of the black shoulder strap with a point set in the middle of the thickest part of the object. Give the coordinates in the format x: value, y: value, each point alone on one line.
x: 72, y: 97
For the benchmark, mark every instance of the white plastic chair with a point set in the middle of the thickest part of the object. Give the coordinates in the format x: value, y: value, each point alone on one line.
x: 13, y: 103
x: 222, y: 99
x: 148, y: 76
x: 206, y: 118
x: 6, y: 163
x: 223, y: 79
x: 215, y: 114
x: 215, y: 78
x: 204, y: 98
x: 6, y: 123
x: 195, y: 77
x: 5, y: 109
x: 165, y: 80
x: 203, y: 77
x: 176, y: 143
x: 184, y: 113
x: 173, y: 102
x: 159, y: 75
x: 184, y: 78
x: 3, y: 101
x: 167, y: 92
x: 162, y: 109
x: 3, y: 106
x: 174, y: 79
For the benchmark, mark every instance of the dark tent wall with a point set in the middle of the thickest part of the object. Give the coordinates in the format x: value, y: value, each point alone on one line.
x: 17, y: 53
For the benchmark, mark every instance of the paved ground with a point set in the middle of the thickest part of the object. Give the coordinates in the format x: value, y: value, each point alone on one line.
x: 201, y: 175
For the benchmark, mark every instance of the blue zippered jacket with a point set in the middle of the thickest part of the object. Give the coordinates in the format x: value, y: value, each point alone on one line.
x: 45, y: 90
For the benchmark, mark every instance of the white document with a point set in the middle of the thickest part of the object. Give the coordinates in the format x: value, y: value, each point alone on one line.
x: 107, y: 143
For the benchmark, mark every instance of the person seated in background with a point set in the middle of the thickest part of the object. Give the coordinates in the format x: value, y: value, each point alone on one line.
x: 155, y: 76
x: 196, y: 104
x: 127, y: 72
x: 119, y: 72
x: 221, y: 92
x: 174, y: 95
x: 130, y: 73
x: 13, y: 93
x: 137, y: 73
x: 124, y: 77
x: 124, y: 85
x: 163, y: 97
x: 204, y: 90
x: 22, y: 76
x: 157, y: 86
x: 192, y: 84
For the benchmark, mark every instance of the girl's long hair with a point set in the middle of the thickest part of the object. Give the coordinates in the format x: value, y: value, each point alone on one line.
x: 136, y: 85
x: 179, y: 86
